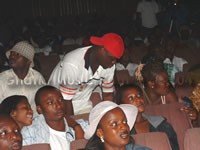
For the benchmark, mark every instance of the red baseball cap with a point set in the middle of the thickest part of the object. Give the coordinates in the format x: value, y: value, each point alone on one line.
x: 112, y: 42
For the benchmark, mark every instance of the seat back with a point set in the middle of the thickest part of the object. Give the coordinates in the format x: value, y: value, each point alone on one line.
x: 178, y: 119
x: 191, y: 139
x: 46, y: 64
x: 37, y: 147
x: 153, y: 140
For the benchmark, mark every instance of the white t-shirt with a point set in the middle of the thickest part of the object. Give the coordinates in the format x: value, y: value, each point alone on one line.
x: 58, y: 140
x: 77, y: 82
x: 148, y: 12
x: 10, y: 84
x: 131, y: 67
x: 177, y: 61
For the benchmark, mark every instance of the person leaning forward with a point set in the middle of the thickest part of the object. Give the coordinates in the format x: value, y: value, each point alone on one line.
x: 83, y: 69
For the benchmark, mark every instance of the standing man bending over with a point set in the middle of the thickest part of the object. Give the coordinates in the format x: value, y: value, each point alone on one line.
x: 83, y: 69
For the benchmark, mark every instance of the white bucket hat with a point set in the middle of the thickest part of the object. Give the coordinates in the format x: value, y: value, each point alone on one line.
x: 102, y: 108
x: 25, y: 49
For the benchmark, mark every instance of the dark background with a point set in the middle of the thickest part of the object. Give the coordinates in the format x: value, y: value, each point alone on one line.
x: 56, y: 8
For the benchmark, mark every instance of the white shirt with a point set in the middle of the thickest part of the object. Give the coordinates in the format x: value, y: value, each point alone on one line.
x: 77, y: 82
x: 148, y: 12
x: 177, y: 61
x: 131, y: 67
x: 58, y: 140
x: 10, y: 85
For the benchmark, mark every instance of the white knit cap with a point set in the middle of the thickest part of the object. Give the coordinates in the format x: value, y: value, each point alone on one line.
x: 102, y: 108
x: 25, y: 49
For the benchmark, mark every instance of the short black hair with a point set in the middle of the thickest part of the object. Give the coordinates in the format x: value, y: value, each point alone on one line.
x: 151, y: 70
x: 10, y: 103
x: 40, y: 91
x: 120, y: 91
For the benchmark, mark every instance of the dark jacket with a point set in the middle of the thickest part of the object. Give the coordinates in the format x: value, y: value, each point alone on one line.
x: 159, y: 123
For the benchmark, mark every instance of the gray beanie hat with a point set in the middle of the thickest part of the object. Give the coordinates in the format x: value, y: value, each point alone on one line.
x: 25, y: 49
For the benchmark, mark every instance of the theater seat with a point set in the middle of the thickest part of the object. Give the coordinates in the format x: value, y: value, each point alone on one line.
x: 153, y: 140
x: 78, y: 144
x: 178, y: 119
x: 37, y: 147
x: 46, y: 64
x: 191, y: 140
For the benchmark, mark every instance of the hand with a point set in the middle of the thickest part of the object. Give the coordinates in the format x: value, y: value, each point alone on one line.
x: 71, y: 122
x: 79, y: 133
x: 191, y: 112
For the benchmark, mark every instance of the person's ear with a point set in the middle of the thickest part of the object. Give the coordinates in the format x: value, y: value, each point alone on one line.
x: 13, y: 114
x: 99, y: 132
x: 151, y: 84
x: 39, y: 109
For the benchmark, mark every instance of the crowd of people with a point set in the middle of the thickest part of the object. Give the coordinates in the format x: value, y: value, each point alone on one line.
x: 35, y: 110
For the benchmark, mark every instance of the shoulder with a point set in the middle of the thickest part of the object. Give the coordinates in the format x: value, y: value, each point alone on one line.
x: 36, y: 73
x: 171, y: 97
x: 75, y: 59
x: 4, y: 73
x: 76, y: 54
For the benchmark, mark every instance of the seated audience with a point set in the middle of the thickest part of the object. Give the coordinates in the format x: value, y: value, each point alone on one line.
x: 172, y: 61
x: 10, y: 136
x: 132, y: 94
x: 156, y: 84
x: 50, y: 126
x: 109, y: 127
x: 21, y: 79
x: 18, y: 107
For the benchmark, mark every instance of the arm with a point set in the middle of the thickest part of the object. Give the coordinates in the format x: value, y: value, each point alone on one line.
x: 108, y: 96
x: 171, y: 97
x: 77, y: 127
x: 69, y: 107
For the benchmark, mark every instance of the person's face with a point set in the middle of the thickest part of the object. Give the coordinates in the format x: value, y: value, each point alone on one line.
x: 125, y: 59
x: 52, y: 105
x: 10, y: 135
x: 17, y: 61
x: 160, y: 53
x: 106, y: 60
x: 133, y: 96
x: 170, y: 49
x: 23, y: 114
x: 161, y: 84
x: 114, y: 129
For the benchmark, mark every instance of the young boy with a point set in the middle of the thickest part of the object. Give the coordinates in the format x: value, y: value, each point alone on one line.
x: 51, y: 126
x: 10, y: 136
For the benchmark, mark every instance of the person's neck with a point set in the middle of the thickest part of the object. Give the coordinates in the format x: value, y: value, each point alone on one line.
x: 139, y: 118
x: 93, y: 61
x: 110, y: 147
x: 21, y: 73
x: 58, y: 125
x: 152, y: 95
x: 20, y: 125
